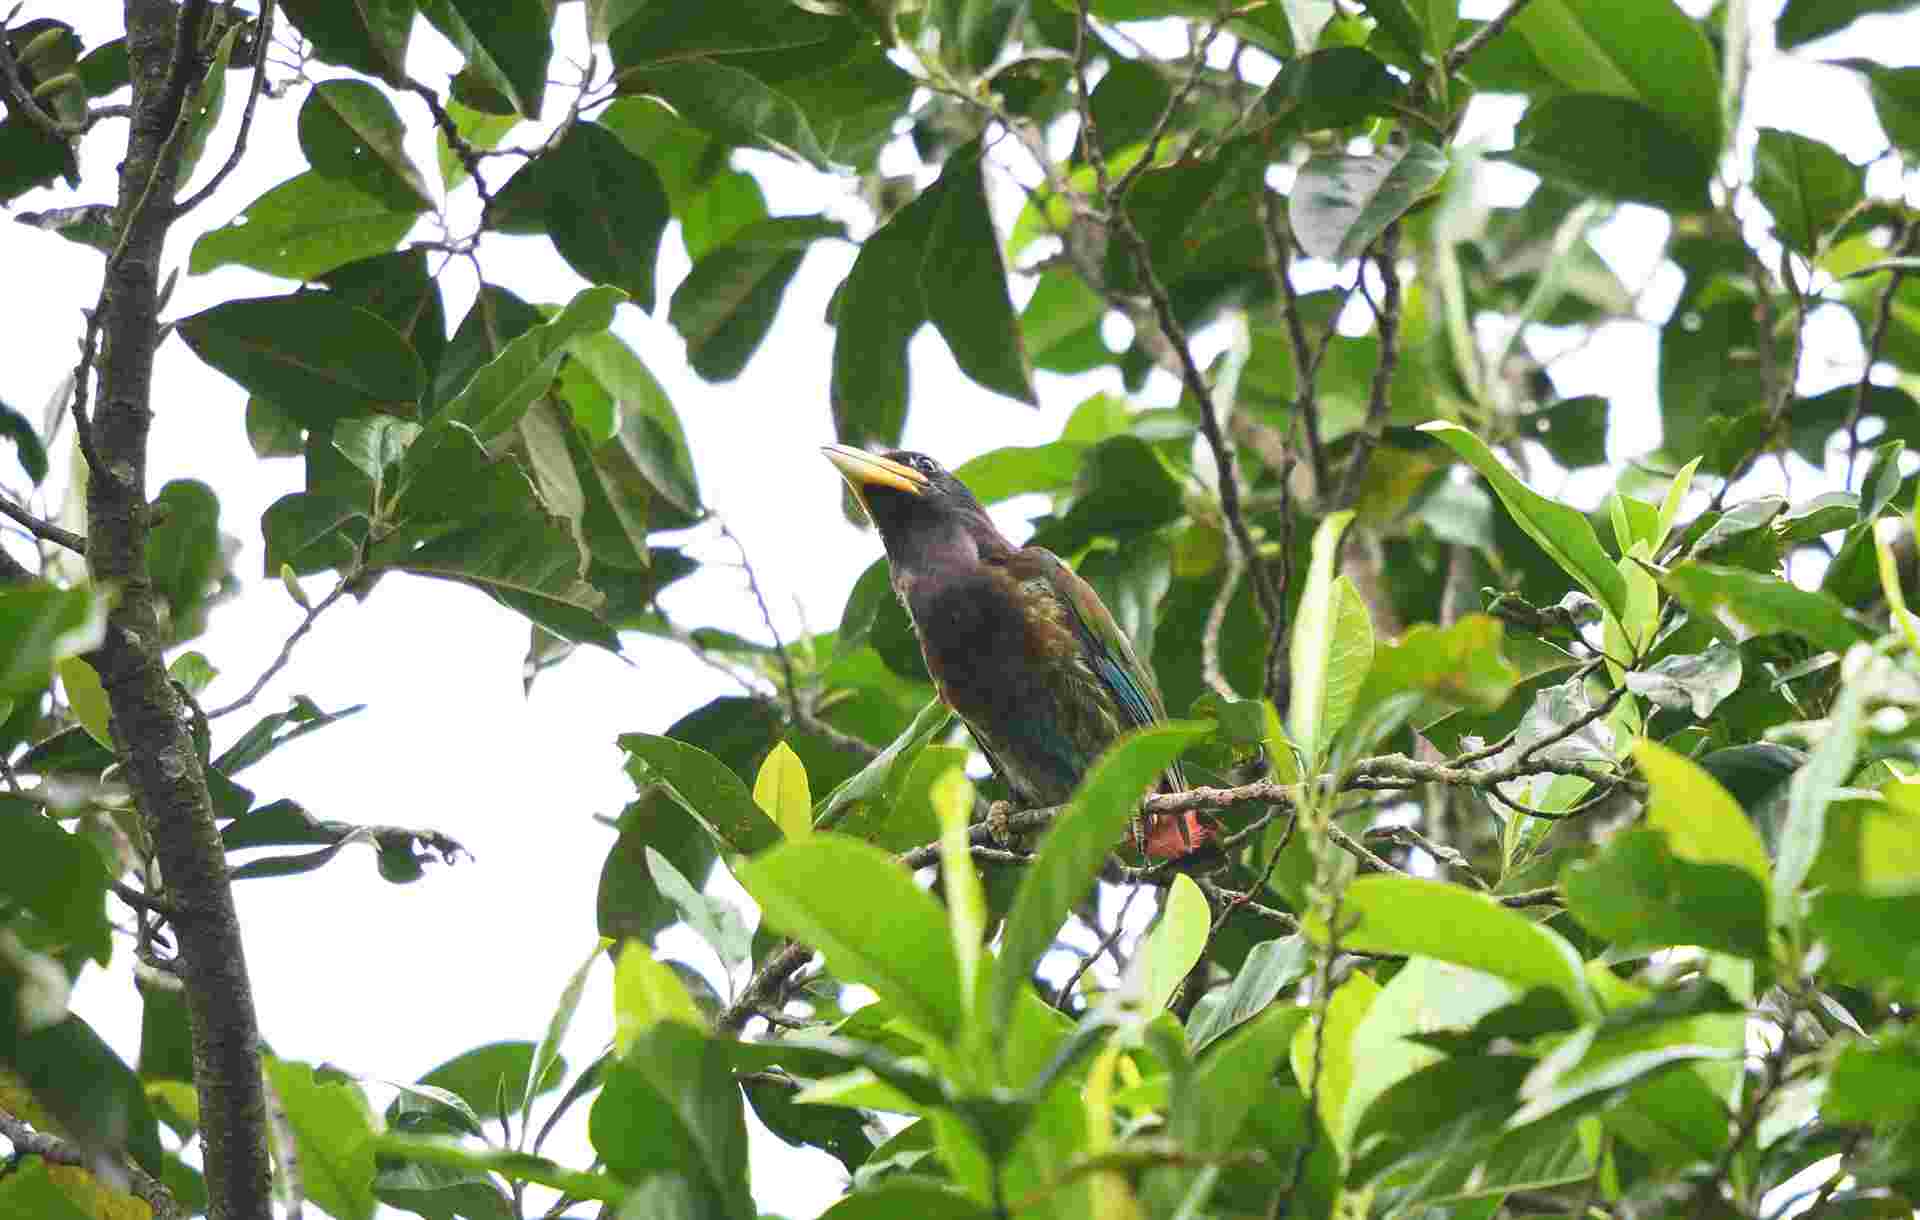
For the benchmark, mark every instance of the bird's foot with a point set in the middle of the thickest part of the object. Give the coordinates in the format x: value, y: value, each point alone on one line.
x: 999, y: 823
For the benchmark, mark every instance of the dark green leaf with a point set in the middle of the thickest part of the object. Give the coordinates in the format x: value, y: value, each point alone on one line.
x: 646, y: 429
x: 1802, y: 21
x: 705, y: 787
x: 671, y: 1104
x: 397, y: 288
x: 923, y: 1200
x: 56, y: 876
x: 1639, y: 895
x: 89, y: 1090
x: 350, y: 132
x: 1614, y: 147
x: 40, y: 625
x: 965, y: 285
x: 303, y: 228
x: 1646, y: 51
x: 603, y: 207
x: 1271, y: 967
x: 26, y: 443
x: 317, y: 357
x: 734, y: 105
x: 1333, y: 88
x: 368, y: 36
x: 311, y: 533
x: 491, y: 1078
x: 1807, y: 186
x: 1896, y: 99
x: 1745, y: 604
x: 506, y: 386
x: 517, y: 36
x: 726, y: 305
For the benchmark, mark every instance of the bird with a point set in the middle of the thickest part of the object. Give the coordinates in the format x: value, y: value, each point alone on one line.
x: 1017, y: 643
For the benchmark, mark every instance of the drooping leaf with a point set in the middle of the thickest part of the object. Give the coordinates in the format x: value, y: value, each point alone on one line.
x: 351, y: 133
x: 1614, y: 147
x: 1175, y: 943
x: 1805, y: 184
x: 318, y: 358
x: 303, y: 228
x: 505, y: 386
x: 727, y: 303
x: 1341, y: 203
x: 604, y: 208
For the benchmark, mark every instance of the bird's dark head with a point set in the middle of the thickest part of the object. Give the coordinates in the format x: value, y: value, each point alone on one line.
x: 911, y: 499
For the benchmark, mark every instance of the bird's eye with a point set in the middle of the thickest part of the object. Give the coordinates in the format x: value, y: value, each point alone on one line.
x: 924, y: 464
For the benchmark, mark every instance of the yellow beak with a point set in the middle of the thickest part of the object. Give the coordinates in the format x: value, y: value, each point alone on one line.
x: 862, y: 470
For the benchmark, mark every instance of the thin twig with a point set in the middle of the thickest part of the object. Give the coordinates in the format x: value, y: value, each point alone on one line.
x: 1459, y: 55
x: 286, y: 650
x: 1387, y: 319
x: 263, y: 32
x: 45, y: 530
x: 1306, y: 402
x: 1210, y: 671
x: 1116, y: 198
x: 461, y: 146
x: 1105, y: 946
x: 1882, y: 315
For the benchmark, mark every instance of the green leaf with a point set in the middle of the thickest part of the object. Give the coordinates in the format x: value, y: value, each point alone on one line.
x: 27, y: 446
x: 972, y: 32
x: 56, y: 876
x: 826, y: 889
x: 1461, y: 664
x: 1639, y: 895
x: 1896, y: 100
x: 1336, y: 87
x: 39, y: 626
x: 674, y: 1092
x: 1875, y: 1084
x: 201, y: 113
x: 924, y: 1200
x: 1698, y: 681
x: 483, y: 131
x: 1341, y: 203
x: 1807, y: 186
x: 734, y: 105
x: 368, y: 36
x: 515, y: 1166
x: 334, y: 1133
x: 316, y: 357
x: 1613, y: 147
x: 1802, y: 21
x: 704, y: 786
x: 517, y: 36
x: 1174, y: 944
x: 881, y: 781
x: 506, y: 386
x: 493, y: 1078
x: 1704, y: 824
x: 1814, y: 785
x: 302, y: 228
x: 1415, y: 916
x: 1270, y: 967
x: 1075, y: 846
x: 1743, y: 604
x: 86, y: 698
x: 726, y: 305
x: 714, y: 919
x: 879, y: 307
x: 31, y: 1191
x: 964, y: 283
x: 184, y: 555
x: 646, y: 992
x: 647, y: 430
x: 781, y: 792
x: 604, y: 208
x: 350, y: 132
x: 1646, y: 51
x: 1869, y: 938
x: 1315, y: 694
x: 1564, y: 534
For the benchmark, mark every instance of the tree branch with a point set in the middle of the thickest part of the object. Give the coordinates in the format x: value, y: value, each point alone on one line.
x: 156, y: 752
x: 55, y: 1151
x: 1876, y: 338
x: 1457, y: 58
x: 1387, y: 319
x: 45, y: 530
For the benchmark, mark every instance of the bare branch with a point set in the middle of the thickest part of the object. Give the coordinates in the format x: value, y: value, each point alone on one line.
x: 45, y: 530
x: 286, y: 650
x: 1459, y: 55
x: 1387, y: 318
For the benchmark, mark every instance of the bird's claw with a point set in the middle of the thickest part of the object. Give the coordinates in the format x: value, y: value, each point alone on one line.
x: 999, y: 822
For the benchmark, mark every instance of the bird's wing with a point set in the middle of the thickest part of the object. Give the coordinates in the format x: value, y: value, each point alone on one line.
x: 1109, y: 652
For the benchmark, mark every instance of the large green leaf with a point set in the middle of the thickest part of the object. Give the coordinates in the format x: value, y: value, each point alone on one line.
x: 1611, y: 146
x: 641, y: 424
x: 1341, y: 203
x: 1391, y: 913
x: 304, y: 227
x: 333, y: 1131
x: 368, y: 35
x: 503, y: 388
x: 1089, y: 827
x: 1802, y: 21
x: 1646, y: 51
x: 517, y: 35
x: 1807, y: 186
x: 1814, y: 787
x: 1563, y: 533
x: 1639, y: 895
x: 964, y: 283
x: 878, y: 309
x: 40, y: 625
x: 1270, y: 967
x: 972, y: 32
x: 1175, y: 943
x: 604, y: 208
x: 1743, y: 604
x: 726, y: 305
x: 55, y: 876
x: 851, y: 901
x: 734, y: 105
x: 1318, y: 696
x: 350, y: 132
x: 704, y: 786
x: 1896, y: 100
x: 316, y: 357
x: 1704, y: 824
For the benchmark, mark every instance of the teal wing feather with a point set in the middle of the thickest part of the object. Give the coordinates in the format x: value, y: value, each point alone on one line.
x: 1108, y: 651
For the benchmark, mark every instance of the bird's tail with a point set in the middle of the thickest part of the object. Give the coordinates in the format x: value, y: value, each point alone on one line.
x: 1173, y: 836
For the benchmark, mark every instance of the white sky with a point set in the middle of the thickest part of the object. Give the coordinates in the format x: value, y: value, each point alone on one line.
x: 387, y: 981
